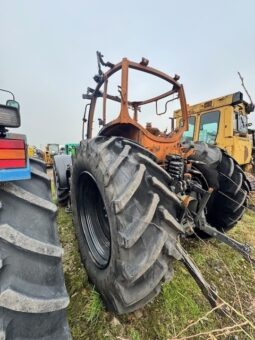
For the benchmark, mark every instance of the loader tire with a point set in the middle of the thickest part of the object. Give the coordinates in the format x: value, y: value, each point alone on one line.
x: 231, y: 188
x: 33, y: 296
x: 125, y: 218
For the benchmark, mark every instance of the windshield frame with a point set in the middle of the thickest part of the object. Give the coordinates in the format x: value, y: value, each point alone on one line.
x: 195, y: 118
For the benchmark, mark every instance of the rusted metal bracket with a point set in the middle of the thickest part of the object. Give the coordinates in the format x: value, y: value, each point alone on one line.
x: 202, y: 204
x: 100, y: 62
x: 209, y: 292
x: 243, y: 249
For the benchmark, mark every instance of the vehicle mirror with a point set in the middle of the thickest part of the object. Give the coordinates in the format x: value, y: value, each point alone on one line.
x: 13, y: 103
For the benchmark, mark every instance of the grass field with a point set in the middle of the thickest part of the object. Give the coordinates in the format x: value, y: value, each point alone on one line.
x: 180, y: 311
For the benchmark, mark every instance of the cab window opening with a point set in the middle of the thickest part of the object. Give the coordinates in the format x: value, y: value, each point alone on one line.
x: 208, y: 129
x: 240, y: 123
x: 189, y: 134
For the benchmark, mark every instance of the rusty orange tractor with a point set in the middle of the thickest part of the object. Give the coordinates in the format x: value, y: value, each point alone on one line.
x: 137, y: 190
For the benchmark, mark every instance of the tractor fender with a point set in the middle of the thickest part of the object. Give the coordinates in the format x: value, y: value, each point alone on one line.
x: 62, y: 164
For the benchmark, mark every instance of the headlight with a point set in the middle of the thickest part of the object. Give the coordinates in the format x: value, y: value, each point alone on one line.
x: 9, y: 116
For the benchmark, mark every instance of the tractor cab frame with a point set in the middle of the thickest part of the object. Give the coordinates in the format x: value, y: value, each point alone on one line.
x: 160, y: 143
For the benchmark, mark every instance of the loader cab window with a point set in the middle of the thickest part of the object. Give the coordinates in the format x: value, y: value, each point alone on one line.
x: 54, y: 149
x: 208, y: 129
x: 240, y: 123
x: 189, y: 134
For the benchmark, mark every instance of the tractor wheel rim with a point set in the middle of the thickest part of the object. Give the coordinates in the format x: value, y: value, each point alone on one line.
x: 94, y: 220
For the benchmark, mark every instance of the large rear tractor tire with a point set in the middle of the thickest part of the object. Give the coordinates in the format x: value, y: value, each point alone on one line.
x: 126, y: 221
x: 231, y: 188
x: 33, y: 296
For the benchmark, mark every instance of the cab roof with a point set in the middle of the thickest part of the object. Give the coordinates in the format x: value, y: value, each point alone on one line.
x: 230, y: 99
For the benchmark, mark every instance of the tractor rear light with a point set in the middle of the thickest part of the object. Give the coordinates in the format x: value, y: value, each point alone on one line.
x: 12, y: 144
x: 9, y: 116
x: 12, y: 153
x: 12, y: 163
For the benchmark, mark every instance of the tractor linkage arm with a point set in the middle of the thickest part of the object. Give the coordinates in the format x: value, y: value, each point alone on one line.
x: 243, y: 249
x: 208, y: 291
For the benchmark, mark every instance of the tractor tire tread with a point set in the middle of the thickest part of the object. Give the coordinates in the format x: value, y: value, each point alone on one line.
x: 124, y: 177
x: 33, y: 296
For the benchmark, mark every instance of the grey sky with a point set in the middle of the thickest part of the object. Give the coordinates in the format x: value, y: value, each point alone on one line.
x: 48, y: 52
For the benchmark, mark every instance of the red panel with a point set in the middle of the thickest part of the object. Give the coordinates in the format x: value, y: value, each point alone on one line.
x: 12, y: 144
x: 12, y: 163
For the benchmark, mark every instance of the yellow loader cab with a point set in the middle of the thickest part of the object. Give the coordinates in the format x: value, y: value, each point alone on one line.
x: 31, y: 150
x: 223, y: 122
x: 50, y: 152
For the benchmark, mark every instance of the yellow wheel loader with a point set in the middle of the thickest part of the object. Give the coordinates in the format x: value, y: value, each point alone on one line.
x: 47, y: 155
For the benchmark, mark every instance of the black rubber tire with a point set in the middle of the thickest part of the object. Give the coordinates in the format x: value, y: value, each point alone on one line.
x: 33, y: 297
x: 60, y: 164
x: 229, y: 198
x: 141, y: 212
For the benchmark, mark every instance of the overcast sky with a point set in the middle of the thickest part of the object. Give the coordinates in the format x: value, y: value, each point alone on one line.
x: 48, y: 51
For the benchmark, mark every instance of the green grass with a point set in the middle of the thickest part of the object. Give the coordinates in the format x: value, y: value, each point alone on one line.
x: 94, y: 307
x: 180, y: 302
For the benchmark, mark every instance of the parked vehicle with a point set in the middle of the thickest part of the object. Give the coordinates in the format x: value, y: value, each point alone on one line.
x: 33, y: 297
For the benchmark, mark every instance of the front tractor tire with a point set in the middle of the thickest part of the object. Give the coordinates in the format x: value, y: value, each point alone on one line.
x: 125, y: 218
x: 33, y: 297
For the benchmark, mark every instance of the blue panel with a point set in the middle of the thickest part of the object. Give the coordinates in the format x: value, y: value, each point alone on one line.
x: 15, y: 174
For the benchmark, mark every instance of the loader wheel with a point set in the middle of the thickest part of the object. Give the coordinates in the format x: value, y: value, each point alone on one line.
x: 229, y: 199
x: 33, y: 296
x: 124, y: 215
